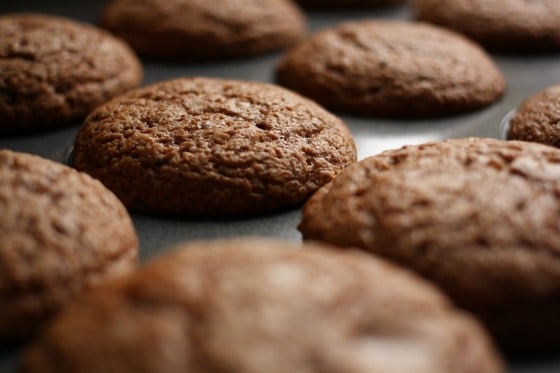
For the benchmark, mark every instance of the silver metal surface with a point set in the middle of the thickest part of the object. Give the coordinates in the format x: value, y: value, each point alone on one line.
x: 526, y: 75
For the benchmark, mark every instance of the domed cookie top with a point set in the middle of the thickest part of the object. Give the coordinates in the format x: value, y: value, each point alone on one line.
x: 61, y: 232
x: 54, y: 71
x: 318, y: 4
x: 507, y: 25
x: 202, y: 29
x: 392, y: 69
x: 538, y: 118
x: 213, y: 147
x: 479, y: 217
x: 264, y: 306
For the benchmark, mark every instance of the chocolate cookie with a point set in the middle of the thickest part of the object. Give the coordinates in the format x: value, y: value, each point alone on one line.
x: 507, y: 26
x: 213, y: 147
x: 392, y: 69
x: 538, y: 118
x: 200, y: 29
x: 54, y: 71
x: 264, y: 306
x: 479, y: 217
x: 318, y: 4
x: 61, y: 232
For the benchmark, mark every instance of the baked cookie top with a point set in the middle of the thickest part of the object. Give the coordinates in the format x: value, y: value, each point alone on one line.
x: 60, y: 233
x: 507, y: 25
x: 251, y: 305
x: 392, y: 69
x: 200, y: 29
x: 479, y: 217
x: 213, y: 147
x: 538, y: 118
x: 54, y: 71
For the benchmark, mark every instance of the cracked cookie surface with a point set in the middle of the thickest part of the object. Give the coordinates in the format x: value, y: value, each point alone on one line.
x: 61, y: 232
x: 189, y: 30
x: 479, y: 217
x: 255, y: 305
x: 54, y: 71
x: 213, y: 147
x: 392, y: 69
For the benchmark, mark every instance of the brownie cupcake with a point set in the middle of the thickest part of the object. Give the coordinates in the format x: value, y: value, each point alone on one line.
x: 506, y: 26
x: 189, y: 30
x: 392, y: 69
x: 538, y: 118
x: 478, y: 217
x: 61, y: 232
x: 54, y: 71
x: 211, y: 147
x: 264, y: 306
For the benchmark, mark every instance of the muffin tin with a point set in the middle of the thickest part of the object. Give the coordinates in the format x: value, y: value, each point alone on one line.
x: 525, y: 75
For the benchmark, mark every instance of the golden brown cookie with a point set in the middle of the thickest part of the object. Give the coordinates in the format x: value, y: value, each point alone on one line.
x: 506, y: 25
x: 392, y: 69
x: 61, y: 232
x: 254, y: 306
x: 54, y: 71
x: 200, y: 29
x: 213, y: 147
x: 538, y: 118
x: 479, y: 217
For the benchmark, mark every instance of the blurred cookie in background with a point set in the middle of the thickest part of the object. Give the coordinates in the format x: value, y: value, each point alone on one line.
x: 54, y: 71
x: 392, y: 69
x: 188, y: 30
x: 504, y: 26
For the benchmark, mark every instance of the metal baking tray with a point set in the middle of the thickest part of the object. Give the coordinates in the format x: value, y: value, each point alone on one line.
x: 525, y: 74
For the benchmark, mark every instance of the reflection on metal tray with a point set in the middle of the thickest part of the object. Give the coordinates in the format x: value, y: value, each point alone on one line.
x: 526, y: 75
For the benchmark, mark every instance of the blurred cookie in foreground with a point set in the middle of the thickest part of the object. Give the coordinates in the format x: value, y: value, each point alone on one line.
x: 538, y: 118
x: 212, y: 147
x: 338, y: 4
x: 188, y: 30
x: 392, y: 69
x: 61, y: 233
x: 504, y: 26
x: 478, y: 217
x: 54, y: 71
x: 255, y: 305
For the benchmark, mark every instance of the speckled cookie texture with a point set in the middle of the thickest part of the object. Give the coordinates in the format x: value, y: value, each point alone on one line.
x: 392, y: 69
x: 61, y: 232
x: 332, y: 4
x: 213, y: 147
x: 479, y: 217
x: 251, y: 306
x: 203, y: 30
x: 506, y: 26
x: 538, y: 118
x: 54, y: 71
